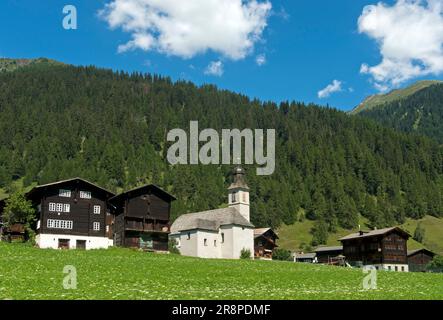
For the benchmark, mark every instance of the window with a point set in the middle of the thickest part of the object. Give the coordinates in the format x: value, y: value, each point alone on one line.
x: 85, y: 195
x: 67, y: 208
x: 60, y: 224
x: 215, y: 243
x: 189, y: 236
x: 107, y: 228
x: 206, y: 242
x: 396, y: 268
x: 223, y: 238
x: 96, y: 226
x: 64, y: 193
x: 52, y: 207
x: 59, y: 207
x: 403, y: 269
x: 234, y: 196
x: 97, y: 209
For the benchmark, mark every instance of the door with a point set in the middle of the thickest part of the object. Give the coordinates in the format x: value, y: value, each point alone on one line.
x: 63, y: 243
x: 81, y: 244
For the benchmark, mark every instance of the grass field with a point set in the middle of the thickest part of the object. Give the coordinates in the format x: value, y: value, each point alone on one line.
x: 30, y: 273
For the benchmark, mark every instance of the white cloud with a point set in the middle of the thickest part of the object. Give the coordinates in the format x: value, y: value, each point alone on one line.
x: 260, y: 59
x: 215, y: 68
x: 410, y: 36
x: 335, y: 86
x: 187, y: 28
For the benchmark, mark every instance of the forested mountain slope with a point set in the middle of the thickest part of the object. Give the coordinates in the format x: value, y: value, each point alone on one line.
x: 58, y: 122
x: 421, y: 111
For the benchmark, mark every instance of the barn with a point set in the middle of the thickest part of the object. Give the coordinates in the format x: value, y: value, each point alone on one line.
x: 419, y: 259
x: 141, y: 218
x: 265, y: 241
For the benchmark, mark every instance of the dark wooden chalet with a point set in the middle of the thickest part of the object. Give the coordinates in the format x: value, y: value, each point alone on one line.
x: 265, y: 241
x: 329, y: 255
x: 72, y: 213
x: 142, y: 218
x: 419, y: 259
x: 385, y: 249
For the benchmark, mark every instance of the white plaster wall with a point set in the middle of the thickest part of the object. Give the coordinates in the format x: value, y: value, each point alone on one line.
x: 50, y: 241
x: 243, y: 239
x: 385, y: 267
x: 227, y: 250
x: 187, y: 247
x: 209, y: 251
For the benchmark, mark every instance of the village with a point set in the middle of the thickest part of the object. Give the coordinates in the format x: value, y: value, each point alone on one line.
x: 77, y: 214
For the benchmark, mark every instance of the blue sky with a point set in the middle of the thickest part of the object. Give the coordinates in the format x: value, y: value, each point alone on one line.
x: 306, y: 44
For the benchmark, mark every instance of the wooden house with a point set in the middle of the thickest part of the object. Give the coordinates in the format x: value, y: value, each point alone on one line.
x: 265, y: 241
x: 142, y: 218
x: 329, y: 255
x: 305, y: 257
x: 385, y: 249
x: 72, y: 213
x: 419, y: 259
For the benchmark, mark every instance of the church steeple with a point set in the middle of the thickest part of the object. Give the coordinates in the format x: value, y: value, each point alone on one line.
x: 239, y: 193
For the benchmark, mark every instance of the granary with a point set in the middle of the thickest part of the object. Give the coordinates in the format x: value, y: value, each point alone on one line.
x: 419, y: 259
x: 329, y: 255
x: 265, y: 241
x: 72, y: 213
x: 142, y: 218
x: 385, y: 249
x: 221, y: 233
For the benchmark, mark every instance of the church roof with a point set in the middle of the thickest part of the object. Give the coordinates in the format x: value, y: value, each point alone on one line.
x: 210, y: 220
x: 239, y: 180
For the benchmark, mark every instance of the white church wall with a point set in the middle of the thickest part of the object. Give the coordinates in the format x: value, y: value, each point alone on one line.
x: 208, y: 245
x: 227, y: 251
x: 244, y: 239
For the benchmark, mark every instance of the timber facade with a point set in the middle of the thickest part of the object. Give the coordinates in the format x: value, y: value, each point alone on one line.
x: 384, y: 249
x: 142, y: 218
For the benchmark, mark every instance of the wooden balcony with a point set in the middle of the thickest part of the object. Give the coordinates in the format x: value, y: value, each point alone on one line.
x: 142, y: 226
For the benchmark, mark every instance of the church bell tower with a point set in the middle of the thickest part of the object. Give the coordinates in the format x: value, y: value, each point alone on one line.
x: 239, y: 193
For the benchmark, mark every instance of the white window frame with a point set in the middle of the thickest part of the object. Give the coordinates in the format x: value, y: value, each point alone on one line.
x: 66, y: 207
x: 97, y: 209
x: 64, y: 193
x: 52, y: 207
x: 59, y: 207
x: 85, y: 195
x: 96, y: 226
x: 60, y: 224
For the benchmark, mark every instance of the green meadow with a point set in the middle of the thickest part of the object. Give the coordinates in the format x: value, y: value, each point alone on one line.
x: 30, y: 273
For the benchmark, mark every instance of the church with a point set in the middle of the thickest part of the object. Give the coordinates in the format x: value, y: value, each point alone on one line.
x: 221, y: 233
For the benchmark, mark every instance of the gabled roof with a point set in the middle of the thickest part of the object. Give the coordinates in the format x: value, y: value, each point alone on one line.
x: 413, y: 252
x: 143, y: 189
x: 43, y: 186
x: 374, y: 233
x: 327, y: 249
x: 306, y: 255
x: 261, y: 231
x: 210, y: 220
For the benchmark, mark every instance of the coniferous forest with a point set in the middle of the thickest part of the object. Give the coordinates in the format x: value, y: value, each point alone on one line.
x: 421, y: 113
x: 110, y: 128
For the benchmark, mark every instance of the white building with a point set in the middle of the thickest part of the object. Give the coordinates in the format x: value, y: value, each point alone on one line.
x: 221, y: 233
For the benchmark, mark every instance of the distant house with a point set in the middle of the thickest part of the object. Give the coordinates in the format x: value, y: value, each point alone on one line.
x: 265, y: 241
x: 221, y: 233
x: 328, y: 255
x: 142, y: 218
x: 72, y: 214
x: 419, y: 259
x: 305, y: 257
x: 385, y: 249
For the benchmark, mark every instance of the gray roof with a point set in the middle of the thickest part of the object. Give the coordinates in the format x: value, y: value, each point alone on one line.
x: 210, y: 220
x: 306, y: 256
x: 326, y: 249
x: 412, y: 252
x: 373, y: 233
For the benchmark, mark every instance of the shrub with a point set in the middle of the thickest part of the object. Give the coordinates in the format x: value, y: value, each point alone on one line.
x: 172, y: 247
x: 436, y: 265
x: 282, y: 255
x: 245, y: 254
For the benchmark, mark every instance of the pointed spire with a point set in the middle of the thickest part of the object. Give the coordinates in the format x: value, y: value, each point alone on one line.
x: 239, y: 179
